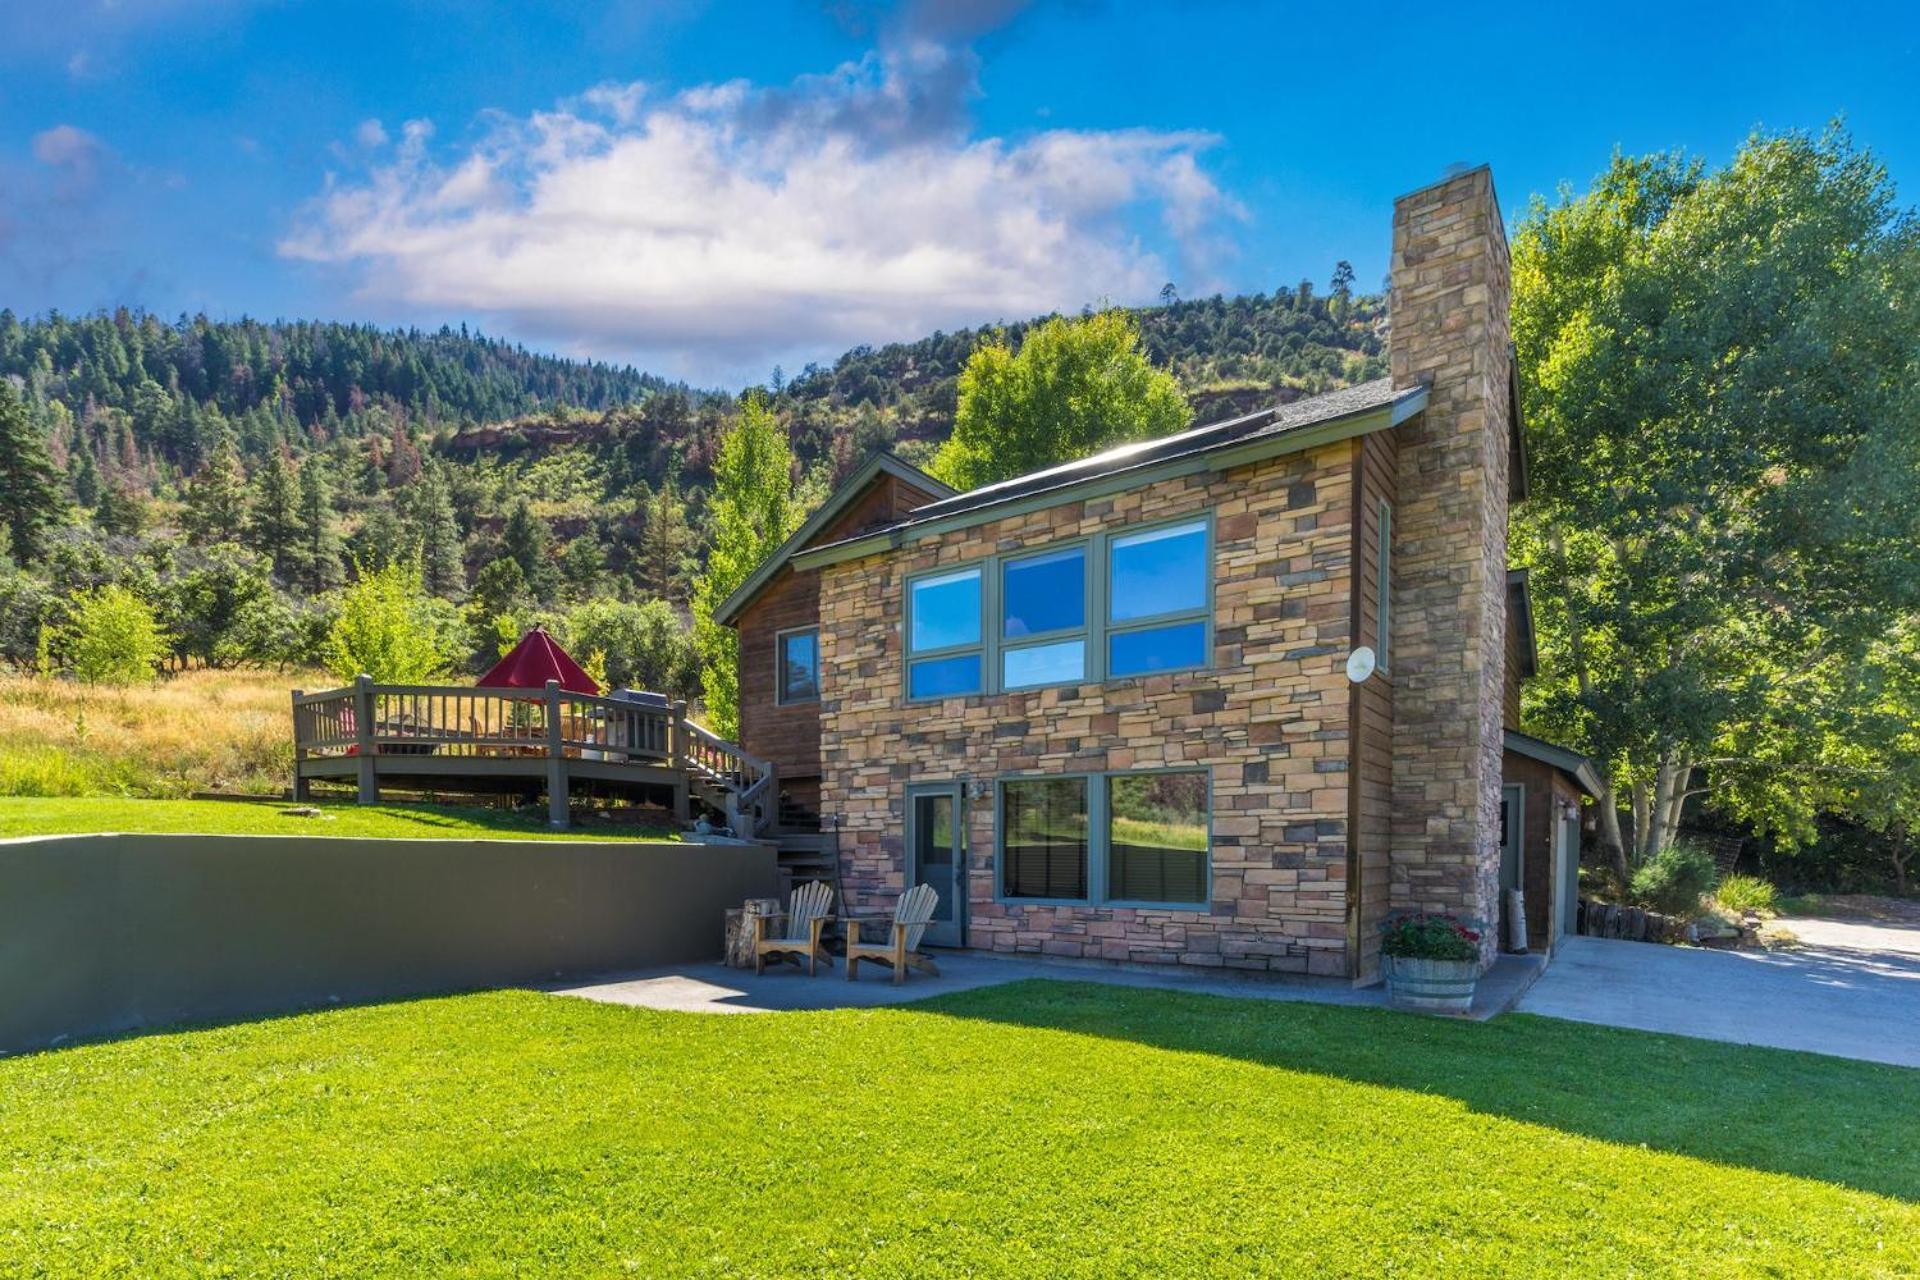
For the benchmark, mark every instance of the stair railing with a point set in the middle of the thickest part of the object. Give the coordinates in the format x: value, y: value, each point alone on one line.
x: 746, y: 783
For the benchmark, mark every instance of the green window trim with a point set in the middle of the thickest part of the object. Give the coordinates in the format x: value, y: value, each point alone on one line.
x: 1099, y: 869
x: 979, y: 648
x: 781, y: 698
x: 1097, y: 630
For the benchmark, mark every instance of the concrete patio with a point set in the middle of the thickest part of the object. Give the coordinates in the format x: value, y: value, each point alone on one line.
x: 715, y: 988
x: 1851, y: 989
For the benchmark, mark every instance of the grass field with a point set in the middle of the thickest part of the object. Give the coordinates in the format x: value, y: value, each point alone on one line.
x: 64, y: 816
x: 196, y: 731
x: 1037, y: 1129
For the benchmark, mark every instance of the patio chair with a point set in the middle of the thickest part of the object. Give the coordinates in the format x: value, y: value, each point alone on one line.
x: 909, y: 921
x: 809, y: 912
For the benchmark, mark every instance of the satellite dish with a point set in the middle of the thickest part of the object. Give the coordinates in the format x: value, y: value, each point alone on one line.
x: 1360, y: 664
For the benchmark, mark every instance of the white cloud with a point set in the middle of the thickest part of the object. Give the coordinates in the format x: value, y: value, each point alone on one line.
x: 66, y: 146
x: 371, y: 134
x: 726, y: 225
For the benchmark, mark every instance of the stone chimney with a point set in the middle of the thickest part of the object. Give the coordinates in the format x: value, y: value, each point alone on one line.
x: 1450, y: 286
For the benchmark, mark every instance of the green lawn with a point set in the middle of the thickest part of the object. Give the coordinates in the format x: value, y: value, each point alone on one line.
x: 66, y: 816
x: 1037, y: 1129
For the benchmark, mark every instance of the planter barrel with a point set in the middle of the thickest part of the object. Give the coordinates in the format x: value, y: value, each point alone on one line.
x: 1430, y: 986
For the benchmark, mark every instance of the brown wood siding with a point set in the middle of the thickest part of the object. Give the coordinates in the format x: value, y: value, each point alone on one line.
x: 1546, y: 789
x: 1510, y: 692
x: 787, y: 735
x: 790, y: 735
x: 1372, y: 764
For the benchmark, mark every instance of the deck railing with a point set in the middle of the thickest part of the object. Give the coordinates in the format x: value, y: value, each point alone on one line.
x: 548, y: 730
x: 748, y: 787
x: 399, y: 719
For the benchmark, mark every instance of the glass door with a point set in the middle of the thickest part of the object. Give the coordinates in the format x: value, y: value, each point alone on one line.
x: 937, y: 855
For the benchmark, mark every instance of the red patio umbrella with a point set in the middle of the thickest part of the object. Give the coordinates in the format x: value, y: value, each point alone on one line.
x: 533, y: 662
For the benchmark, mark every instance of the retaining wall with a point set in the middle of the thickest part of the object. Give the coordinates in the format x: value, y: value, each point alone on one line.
x: 106, y: 933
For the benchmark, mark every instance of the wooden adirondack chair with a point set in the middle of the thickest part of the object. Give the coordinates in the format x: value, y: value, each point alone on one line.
x: 909, y: 921
x: 806, y: 916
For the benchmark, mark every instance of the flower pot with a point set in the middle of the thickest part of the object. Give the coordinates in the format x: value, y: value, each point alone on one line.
x: 1430, y: 986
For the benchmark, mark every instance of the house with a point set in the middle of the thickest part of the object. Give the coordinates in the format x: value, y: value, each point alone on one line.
x: 1118, y: 708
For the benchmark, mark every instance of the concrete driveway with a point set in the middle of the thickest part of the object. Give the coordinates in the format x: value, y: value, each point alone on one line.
x: 1852, y: 989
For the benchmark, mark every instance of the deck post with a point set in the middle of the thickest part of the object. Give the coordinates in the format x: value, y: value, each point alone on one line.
x: 363, y: 738
x: 677, y: 760
x: 301, y: 790
x: 557, y: 817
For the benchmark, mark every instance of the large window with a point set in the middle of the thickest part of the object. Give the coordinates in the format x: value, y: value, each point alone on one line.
x: 1140, y: 838
x: 1129, y: 603
x: 943, y: 635
x: 1044, y: 829
x: 1157, y: 837
x: 797, y: 657
x: 1157, y: 600
x: 1043, y: 619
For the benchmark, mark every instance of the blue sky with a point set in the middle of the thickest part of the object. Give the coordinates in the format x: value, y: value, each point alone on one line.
x: 707, y: 189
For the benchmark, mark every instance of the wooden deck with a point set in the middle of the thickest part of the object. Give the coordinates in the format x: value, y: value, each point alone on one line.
x: 532, y: 740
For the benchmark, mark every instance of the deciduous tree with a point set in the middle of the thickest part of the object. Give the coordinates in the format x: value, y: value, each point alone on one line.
x: 1073, y: 388
x: 1722, y: 378
x: 753, y: 512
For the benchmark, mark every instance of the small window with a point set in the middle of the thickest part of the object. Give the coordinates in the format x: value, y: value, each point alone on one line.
x: 1157, y: 837
x: 1383, y: 586
x: 1044, y: 838
x: 1044, y: 593
x: 1160, y: 571
x: 1062, y: 662
x: 798, y: 660
x: 944, y: 677
x: 1157, y: 600
x: 1044, y: 597
x: 943, y: 623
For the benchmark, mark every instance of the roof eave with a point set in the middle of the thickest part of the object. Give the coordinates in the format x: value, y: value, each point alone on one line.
x: 1220, y: 457
x: 1553, y: 755
x: 743, y: 595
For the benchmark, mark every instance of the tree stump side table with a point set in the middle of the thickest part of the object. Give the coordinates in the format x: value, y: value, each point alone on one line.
x: 740, y: 925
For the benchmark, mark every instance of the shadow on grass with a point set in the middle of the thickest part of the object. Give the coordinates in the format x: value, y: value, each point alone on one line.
x: 1811, y: 1116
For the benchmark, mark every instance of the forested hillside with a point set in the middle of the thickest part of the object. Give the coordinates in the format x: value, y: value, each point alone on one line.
x: 238, y: 474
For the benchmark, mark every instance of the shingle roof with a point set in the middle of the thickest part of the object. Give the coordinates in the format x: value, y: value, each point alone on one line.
x: 1367, y: 397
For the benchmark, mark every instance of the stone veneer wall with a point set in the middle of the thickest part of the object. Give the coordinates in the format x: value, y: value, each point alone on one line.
x: 1269, y: 720
x: 1450, y: 290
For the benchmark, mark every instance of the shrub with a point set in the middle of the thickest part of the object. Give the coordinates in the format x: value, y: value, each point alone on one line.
x: 113, y: 637
x: 389, y: 628
x: 644, y: 645
x: 1674, y: 880
x: 1746, y: 893
x: 1429, y: 936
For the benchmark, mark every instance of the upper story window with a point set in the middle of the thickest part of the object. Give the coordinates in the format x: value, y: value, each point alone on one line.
x: 944, y: 635
x: 1129, y: 603
x: 1157, y: 596
x: 797, y: 659
x: 1043, y: 619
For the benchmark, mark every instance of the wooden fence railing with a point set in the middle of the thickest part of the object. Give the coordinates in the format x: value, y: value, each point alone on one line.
x: 397, y: 719
x: 546, y: 729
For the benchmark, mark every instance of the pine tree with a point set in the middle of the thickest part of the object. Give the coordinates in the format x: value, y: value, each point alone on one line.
x: 436, y: 532
x: 216, y: 498
x: 30, y: 497
x: 665, y: 564
x: 528, y: 544
x: 84, y: 474
x: 318, y: 558
x: 274, y: 525
x: 120, y: 513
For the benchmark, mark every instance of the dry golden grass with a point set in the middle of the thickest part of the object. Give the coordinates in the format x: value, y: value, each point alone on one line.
x: 190, y: 732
